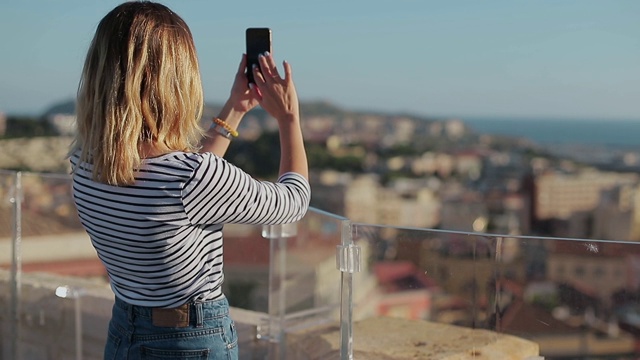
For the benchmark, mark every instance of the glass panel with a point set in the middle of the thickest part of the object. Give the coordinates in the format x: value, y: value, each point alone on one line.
x: 571, y: 297
x: 312, y: 282
x: 283, y: 277
x: 246, y: 267
x: 65, y: 284
x: 65, y: 292
x: 53, y: 240
x: 246, y: 284
x: 574, y: 298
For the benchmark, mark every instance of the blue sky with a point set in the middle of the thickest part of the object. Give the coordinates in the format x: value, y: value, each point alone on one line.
x: 508, y: 58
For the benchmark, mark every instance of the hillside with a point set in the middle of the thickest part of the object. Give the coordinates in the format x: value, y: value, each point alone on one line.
x: 321, y: 121
x: 39, y: 154
x: 307, y: 109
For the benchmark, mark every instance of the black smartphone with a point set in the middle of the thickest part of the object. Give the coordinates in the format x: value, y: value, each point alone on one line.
x: 258, y: 41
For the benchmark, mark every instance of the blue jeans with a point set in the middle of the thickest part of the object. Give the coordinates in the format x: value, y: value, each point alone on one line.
x: 210, y: 334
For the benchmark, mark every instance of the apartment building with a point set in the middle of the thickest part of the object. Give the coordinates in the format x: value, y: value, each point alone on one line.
x: 559, y: 195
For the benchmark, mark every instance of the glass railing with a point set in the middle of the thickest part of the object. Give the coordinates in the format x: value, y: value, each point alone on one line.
x: 376, y: 289
x: 279, y: 278
x: 573, y: 298
x: 42, y: 240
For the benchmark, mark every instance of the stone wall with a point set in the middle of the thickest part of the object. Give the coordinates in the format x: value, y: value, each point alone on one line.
x: 385, y: 338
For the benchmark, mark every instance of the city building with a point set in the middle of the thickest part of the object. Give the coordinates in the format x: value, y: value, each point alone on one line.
x: 558, y: 194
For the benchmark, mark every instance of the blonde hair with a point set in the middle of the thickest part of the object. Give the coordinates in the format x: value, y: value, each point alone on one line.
x: 140, y: 84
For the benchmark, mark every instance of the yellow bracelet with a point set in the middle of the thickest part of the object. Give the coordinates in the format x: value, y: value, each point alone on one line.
x: 226, y: 126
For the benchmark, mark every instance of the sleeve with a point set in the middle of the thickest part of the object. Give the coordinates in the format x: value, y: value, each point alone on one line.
x: 221, y: 193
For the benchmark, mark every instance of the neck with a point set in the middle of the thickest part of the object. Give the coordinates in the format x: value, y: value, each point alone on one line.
x: 148, y: 150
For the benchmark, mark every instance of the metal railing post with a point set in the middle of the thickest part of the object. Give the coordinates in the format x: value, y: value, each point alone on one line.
x: 16, y: 268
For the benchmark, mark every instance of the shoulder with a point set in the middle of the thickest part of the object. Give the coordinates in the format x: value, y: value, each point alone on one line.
x: 193, y: 165
x: 178, y: 160
x: 175, y: 166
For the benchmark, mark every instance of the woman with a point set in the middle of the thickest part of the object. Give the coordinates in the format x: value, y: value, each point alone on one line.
x: 153, y: 197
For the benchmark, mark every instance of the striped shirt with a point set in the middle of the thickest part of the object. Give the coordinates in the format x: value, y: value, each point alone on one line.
x: 160, y: 239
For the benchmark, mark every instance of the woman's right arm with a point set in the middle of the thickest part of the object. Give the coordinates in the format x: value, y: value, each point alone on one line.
x: 220, y: 193
x: 279, y: 98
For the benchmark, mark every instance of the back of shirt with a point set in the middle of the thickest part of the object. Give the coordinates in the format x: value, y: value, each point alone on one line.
x: 160, y: 239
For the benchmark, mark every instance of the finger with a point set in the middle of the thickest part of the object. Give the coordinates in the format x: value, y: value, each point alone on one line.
x: 241, y: 74
x: 272, y: 64
x: 255, y: 91
x: 258, y: 77
x: 287, y: 71
x: 264, y: 66
x: 243, y: 65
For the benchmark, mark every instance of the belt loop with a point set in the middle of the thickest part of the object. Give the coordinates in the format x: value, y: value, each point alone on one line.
x: 130, y: 313
x: 199, y: 314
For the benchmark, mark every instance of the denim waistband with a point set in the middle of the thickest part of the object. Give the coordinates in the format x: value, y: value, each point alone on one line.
x: 206, y: 309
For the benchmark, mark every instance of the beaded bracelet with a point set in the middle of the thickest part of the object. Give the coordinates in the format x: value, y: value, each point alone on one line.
x: 225, y: 126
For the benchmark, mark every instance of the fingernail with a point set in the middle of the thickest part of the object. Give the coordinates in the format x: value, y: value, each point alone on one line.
x: 261, y: 55
x: 251, y: 86
x: 266, y: 53
x: 254, y: 66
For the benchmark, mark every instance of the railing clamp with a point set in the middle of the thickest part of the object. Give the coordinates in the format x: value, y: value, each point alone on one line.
x: 348, y: 253
x: 348, y: 258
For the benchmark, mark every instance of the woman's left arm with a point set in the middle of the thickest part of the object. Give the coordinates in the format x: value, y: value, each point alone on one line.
x: 241, y: 100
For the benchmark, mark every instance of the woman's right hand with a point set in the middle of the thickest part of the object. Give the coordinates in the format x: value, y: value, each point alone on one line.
x: 276, y: 95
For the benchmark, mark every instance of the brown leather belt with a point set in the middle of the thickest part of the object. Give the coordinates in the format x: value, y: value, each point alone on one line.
x: 174, y: 317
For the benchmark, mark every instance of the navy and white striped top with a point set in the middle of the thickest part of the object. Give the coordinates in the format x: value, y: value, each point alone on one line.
x: 160, y: 239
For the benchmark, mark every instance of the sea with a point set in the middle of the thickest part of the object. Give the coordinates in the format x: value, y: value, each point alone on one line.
x: 603, y: 133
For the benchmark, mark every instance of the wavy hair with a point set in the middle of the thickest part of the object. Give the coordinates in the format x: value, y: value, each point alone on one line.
x: 140, y: 84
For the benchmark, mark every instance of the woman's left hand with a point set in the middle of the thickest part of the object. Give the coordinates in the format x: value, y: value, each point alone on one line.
x: 241, y: 99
